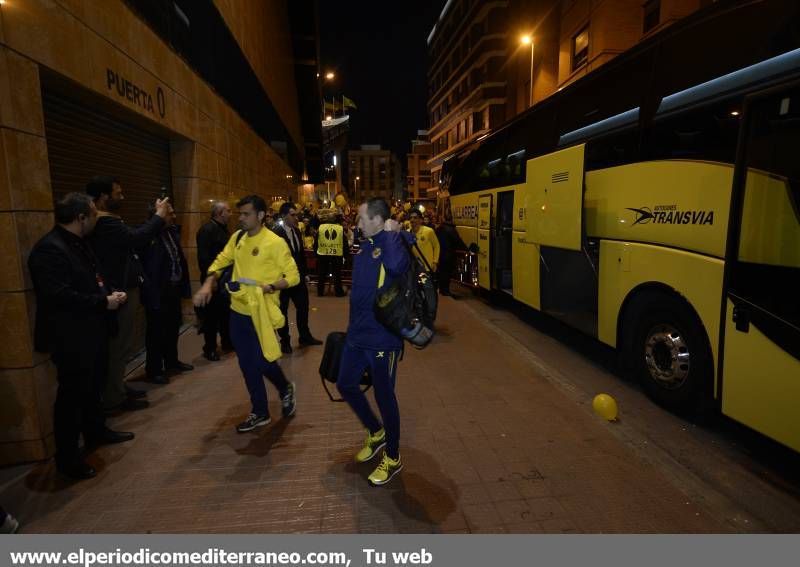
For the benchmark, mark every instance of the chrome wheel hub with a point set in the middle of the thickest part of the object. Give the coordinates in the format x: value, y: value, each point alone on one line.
x: 667, y: 356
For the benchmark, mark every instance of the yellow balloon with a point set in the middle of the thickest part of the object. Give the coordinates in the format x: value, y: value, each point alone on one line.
x: 605, y: 406
x: 340, y: 200
x: 407, y: 207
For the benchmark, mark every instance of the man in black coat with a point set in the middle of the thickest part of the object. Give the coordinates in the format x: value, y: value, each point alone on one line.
x: 72, y: 304
x: 287, y: 229
x: 449, y: 242
x: 166, y: 282
x: 115, y: 244
x: 211, y: 239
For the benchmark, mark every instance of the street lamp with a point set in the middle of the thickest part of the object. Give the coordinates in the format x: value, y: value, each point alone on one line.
x: 357, y: 180
x: 330, y: 75
x: 527, y: 39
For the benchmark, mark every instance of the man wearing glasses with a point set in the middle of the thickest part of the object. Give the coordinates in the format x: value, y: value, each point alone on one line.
x: 287, y: 229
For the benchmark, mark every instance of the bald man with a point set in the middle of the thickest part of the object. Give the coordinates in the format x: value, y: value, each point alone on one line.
x: 211, y: 239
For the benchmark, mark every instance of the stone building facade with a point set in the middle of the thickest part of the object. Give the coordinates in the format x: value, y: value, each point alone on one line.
x: 206, y: 100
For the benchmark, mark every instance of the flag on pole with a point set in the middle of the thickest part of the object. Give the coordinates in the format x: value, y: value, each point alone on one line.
x: 348, y: 103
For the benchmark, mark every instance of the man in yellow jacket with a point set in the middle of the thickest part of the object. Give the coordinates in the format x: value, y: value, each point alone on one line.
x: 262, y: 266
x: 426, y: 239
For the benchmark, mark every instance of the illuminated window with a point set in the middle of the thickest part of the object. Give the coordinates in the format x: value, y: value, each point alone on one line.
x: 580, y: 48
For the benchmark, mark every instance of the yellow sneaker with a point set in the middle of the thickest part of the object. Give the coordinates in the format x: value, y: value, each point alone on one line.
x: 385, y: 471
x: 373, y: 444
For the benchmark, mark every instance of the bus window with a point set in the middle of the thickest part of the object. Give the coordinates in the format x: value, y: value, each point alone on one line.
x: 615, y: 149
x: 516, y: 166
x: 706, y: 133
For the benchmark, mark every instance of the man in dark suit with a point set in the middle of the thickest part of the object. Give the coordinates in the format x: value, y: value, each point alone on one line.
x: 287, y: 229
x: 166, y: 282
x: 115, y: 244
x: 72, y: 304
x: 211, y: 239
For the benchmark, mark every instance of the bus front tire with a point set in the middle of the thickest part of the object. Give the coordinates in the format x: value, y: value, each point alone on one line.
x: 667, y: 351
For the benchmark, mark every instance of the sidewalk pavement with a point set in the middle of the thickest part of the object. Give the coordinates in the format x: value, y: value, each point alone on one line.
x: 488, y: 445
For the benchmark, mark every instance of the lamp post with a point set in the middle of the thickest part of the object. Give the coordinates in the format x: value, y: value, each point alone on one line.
x: 327, y: 78
x: 357, y: 180
x: 528, y: 40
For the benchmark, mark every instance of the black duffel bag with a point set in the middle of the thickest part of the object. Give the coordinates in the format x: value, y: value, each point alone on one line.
x: 331, y: 360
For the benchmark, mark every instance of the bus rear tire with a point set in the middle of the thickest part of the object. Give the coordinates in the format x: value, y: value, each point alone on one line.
x: 668, y: 352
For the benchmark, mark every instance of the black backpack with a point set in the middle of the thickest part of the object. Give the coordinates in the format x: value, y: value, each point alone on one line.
x: 331, y: 360
x: 407, y: 307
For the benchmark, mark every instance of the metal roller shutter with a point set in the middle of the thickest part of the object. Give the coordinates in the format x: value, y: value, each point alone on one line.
x: 83, y: 142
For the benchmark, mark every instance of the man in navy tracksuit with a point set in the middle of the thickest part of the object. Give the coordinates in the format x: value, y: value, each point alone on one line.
x: 383, y: 257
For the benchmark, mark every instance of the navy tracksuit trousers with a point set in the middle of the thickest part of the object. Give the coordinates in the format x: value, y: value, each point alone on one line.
x: 253, y: 364
x: 383, y: 368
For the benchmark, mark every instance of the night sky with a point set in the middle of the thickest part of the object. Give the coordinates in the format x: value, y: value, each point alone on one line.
x: 378, y: 51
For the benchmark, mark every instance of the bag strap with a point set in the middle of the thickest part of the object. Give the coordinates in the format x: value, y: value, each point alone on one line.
x: 421, y: 255
x: 239, y: 235
x: 330, y: 396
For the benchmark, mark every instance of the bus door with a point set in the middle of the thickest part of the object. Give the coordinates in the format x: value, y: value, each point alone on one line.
x: 761, y: 344
x: 503, y: 241
x: 567, y: 276
x: 485, y: 241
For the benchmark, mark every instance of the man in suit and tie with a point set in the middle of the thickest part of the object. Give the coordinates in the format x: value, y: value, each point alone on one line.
x: 287, y: 229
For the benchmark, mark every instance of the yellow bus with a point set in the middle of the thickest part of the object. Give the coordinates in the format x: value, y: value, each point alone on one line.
x: 655, y: 205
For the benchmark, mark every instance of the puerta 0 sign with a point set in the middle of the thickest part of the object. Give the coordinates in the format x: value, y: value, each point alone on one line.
x: 137, y: 95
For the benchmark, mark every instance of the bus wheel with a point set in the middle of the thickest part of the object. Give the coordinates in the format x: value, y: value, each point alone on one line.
x: 668, y: 352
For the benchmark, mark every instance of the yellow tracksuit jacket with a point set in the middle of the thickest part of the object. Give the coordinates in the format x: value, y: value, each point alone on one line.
x: 263, y: 258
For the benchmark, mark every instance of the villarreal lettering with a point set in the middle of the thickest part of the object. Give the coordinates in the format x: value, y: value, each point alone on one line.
x: 465, y: 212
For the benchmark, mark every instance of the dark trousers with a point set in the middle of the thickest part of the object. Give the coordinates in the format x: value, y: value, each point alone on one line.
x: 253, y: 364
x: 299, y: 296
x: 444, y: 274
x: 217, y: 320
x: 81, y: 379
x: 383, y: 368
x: 329, y: 265
x: 163, y: 326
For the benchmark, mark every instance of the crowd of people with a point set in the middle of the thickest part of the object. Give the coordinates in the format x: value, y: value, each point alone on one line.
x: 89, y: 273
x: 92, y: 270
x: 333, y: 235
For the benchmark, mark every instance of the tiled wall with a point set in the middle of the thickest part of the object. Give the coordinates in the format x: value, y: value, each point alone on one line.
x: 215, y: 155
